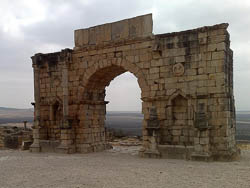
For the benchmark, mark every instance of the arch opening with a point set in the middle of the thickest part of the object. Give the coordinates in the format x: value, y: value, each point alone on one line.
x: 124, y: 117
x: 93, y: 108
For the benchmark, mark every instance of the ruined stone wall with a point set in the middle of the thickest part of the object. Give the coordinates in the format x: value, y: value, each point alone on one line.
x: 185, y: 80
x: 197, y: 64
x: 50, y: 79
x: 13, y: 137
x: 1, y: 138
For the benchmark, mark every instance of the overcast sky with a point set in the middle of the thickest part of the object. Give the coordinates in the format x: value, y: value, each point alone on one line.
x: 31, y: 26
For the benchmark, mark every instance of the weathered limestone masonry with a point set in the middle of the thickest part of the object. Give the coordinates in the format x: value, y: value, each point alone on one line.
x: 14, y: 137
x: 186, y: 81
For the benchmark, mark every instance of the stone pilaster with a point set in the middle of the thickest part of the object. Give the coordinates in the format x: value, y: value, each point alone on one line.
x: 67, y: 133
x: 35, y: 147
x: 202, y: 146
x: 66, y: 59
x: 65, y: 96
x: 202, y: 139
x: 67, y: 142
x: 153, y: 126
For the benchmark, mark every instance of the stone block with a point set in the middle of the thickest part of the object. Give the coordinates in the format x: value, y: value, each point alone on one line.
x: 103, y: 33
x: 147, y: 25
x: 204, y: 141
x: 92, y: 35
x: 218, y: 55
x: 176, y: 132
x: 176, y: 139
x: 135, y: 27
x: 154, y: 70
x: 180, y: 59
x: 120, y: 30
x: 81, y: 37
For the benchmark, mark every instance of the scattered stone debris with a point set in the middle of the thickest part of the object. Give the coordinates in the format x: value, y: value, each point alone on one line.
x: 126, y: 145
x: 126, y: 141
x: 243, y: 144
x: 12, y: 137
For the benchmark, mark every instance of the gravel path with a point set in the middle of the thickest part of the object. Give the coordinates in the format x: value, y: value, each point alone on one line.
x: 118, y: 168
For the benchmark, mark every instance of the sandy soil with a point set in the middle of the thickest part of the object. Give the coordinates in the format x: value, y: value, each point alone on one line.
x: 118, y: 168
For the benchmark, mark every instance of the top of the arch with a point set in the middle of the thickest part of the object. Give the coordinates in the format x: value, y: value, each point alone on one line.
x: 140, y: 26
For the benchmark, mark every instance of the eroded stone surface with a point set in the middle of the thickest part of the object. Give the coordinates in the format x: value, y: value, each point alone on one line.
x: 12, y: 137
x: 187, y: 77
x: 178, y: 69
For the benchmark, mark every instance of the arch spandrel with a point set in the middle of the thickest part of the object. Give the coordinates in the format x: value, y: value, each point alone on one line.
x: 118, y: 68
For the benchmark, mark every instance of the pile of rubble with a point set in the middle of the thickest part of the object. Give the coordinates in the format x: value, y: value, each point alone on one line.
x: 12, y: 137
x: 243, y: 144
x: 126, y: 145
x: 126, y: 141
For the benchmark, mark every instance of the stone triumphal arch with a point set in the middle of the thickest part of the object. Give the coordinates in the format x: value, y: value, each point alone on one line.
x: 186, y: 82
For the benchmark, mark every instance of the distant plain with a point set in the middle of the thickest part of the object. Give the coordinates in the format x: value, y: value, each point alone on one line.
x: 125, y: 122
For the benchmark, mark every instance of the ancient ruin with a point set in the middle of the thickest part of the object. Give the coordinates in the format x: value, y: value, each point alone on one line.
x: 12, y: 137
x: 186, y: 82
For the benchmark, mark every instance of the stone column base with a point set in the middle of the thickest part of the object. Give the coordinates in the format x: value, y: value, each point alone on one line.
x: 201, y: 157
x: 35, y: 148
x: 149, y: 153
x: 26, y: 145
x: 89, y: 148
x: 65, y: 149
x: 67, y: 144
x: 175, y: 151
x: 227, y: 156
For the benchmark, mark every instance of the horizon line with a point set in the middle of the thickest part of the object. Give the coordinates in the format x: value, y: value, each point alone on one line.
x: 107, y: 110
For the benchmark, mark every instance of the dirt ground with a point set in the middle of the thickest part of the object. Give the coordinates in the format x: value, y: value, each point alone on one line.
x: 118, y: 168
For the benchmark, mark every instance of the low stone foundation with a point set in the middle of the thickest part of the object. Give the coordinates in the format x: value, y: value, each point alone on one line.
x: 14, y: 137
x: 176, y: 151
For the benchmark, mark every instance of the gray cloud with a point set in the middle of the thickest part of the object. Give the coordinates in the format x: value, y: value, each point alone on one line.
x: 28, y: 27
x: 118, y: 94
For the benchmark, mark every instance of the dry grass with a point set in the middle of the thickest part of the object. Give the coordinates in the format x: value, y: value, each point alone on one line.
x: 244, y: 145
